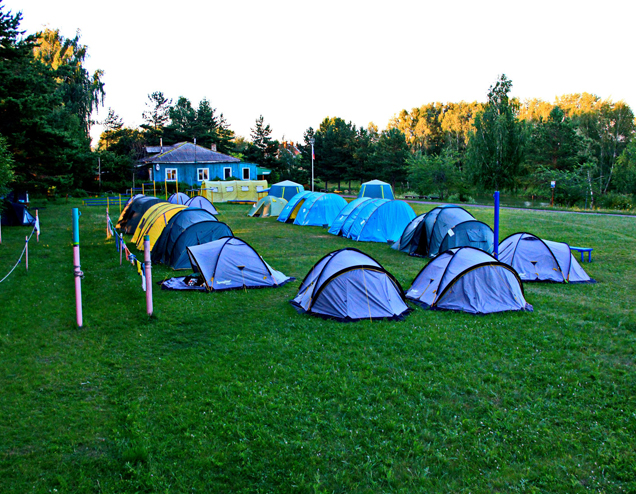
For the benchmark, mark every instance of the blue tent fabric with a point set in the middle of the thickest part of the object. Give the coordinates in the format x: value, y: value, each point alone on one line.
x: 470, y: 233
x: 228, y: 263
x: 202, y: 203
x: 385, y: 223
x: 291, y: 204
x: 536, y: 259
x: 320, y: 210
x: 468, y: 280
x: 361, y: 211
x: 344, y: 213
x: 376, y: 189
x: 285, y: 189
x: 16, y: 214
x: 362, y: 217
x: 178, y: 198
x: 175, y: 227
x: 348, y: 285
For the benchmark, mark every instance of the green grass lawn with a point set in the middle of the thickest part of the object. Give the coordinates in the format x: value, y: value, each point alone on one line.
x: 236, y: 392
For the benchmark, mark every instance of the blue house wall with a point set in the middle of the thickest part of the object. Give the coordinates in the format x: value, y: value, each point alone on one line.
x: 188, y: 172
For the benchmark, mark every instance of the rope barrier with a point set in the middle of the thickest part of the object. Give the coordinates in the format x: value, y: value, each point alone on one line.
x: 21, y: 255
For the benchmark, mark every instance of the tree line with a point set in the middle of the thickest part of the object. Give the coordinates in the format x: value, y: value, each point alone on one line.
x: 48, y: 101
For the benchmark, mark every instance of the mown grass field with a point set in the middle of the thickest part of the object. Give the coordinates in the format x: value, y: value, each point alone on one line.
x: 236, y: 392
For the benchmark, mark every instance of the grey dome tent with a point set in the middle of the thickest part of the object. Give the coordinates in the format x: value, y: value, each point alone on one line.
x: 348, y: 285
x: 226, y: 264
x: 178, y: 198
x: 425, y: 237
x: 541, y: 260
x: 267, y: 206
x: 471, y: 233
x: 468, y: 280
x: 203, y: 203
x: 175, y: 227
x: 176, y: 254
x: 125, y: 213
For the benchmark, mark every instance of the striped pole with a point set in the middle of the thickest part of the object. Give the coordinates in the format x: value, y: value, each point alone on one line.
x: 107, y: 218
x: 121, y: 246
x: 496, y: 246
x: 26, y: 250
x: 37, y: 232
x: 148, y: 268
x: 76, y: 268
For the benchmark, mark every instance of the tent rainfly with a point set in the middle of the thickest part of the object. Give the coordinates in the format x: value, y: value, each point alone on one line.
x: 468, y: 280
x: 541, y: 260
x: 203, y: 203
x: 319, y: 209
x: 376, y: 189
x: 178, y: 198
x: 348, y: 285
x: 471, y: 233
x: 136, y: 211
x: 344, y: 213
x: 267, y: 206
x: 384, y: 223
x: 154, y: 226
x: 226, y: 264
x: 289, y: 212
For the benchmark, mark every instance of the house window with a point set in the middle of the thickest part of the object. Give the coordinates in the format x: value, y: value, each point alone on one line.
x: 171, y: 174
x: 246, y: 173
x: 203, y: 174
x: 227, y: 173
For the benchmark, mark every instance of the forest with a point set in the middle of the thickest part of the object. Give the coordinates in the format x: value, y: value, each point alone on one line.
x: 49, y: 102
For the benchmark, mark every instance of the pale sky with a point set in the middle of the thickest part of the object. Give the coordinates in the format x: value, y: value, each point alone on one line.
x: 298, y: 62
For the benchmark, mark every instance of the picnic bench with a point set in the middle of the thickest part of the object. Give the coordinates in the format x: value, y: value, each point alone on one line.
x: 583, y: 250
x: 103, y: 201
x: 415, y: 197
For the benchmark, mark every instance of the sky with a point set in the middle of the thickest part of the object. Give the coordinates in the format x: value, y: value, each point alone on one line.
x: 297, y: 62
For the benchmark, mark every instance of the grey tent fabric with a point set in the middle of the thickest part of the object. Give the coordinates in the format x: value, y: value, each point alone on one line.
x: 423, y: 236
x: 126, y: 212
x: 226, y: 264
x: 137, y: 210
x: 348, y: 285
x: 468, y: 280
x: 470, y: 233
x: 176, y: 254
x: 202, y: 203
x: 536, y: 259
x: 178, y: 198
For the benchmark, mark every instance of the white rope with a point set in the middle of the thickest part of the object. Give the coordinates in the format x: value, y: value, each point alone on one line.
x: 20, y: 259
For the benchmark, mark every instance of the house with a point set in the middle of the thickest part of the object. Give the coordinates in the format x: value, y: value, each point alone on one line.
x: 186, y: 162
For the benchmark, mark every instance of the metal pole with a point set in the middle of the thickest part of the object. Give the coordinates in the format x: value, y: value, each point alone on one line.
x: 312, y: 140
x: 496, y: 241
x: 76, y: 267
x: 148, y: 268
x: 552, y: 199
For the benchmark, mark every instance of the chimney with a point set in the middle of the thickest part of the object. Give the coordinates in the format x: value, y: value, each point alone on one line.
x: 213, y: 147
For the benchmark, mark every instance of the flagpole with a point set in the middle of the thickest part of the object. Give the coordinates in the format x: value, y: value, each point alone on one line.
x: 312, y: 140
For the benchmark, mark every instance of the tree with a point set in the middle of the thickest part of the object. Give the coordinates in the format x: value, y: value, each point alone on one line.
x: 435, y: 174
x: 335, y: 147
x: 6, y: 166
x: 158, y: 114
x: 264, y: 149
x: 389, y: 156
x: 496, y: 146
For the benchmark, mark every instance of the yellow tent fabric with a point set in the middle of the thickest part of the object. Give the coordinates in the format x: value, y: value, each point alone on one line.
x: 233, y: 190
x: 155, y: 228
x: 148, y: 217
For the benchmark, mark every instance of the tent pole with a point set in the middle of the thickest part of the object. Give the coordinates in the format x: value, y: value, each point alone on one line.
x: 148, y: 268
x: 496, y: 246
x: 76, y: 267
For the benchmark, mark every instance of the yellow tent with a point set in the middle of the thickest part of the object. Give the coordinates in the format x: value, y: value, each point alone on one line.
x: 155, y: 227
x: 149, y: 216
x: 233, y: 190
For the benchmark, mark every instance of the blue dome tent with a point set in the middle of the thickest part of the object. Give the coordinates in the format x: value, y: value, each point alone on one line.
x: 376, y: 190
x: 468, y: 280
x: 541, y: 260
x: 202, y: 203
x: 178, y: 198
x: 382, y: 224
x: 285, y: 215
x: 228, y: 263
x: 320, y: 210
x: 361, y: 210
x: 344, y: 213
x: 285, y: 189
x: 348, y: 285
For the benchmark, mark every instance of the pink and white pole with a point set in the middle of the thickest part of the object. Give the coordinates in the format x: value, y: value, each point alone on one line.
x: 77, y: 272
x: 26, y: 251
x: 37, y: 222
x: 148, y: 268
